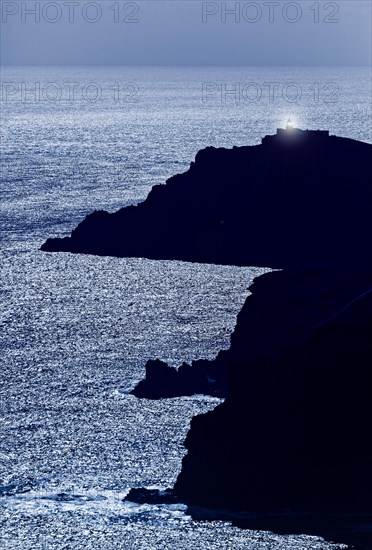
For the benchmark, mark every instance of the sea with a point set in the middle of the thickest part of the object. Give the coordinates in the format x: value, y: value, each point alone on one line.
x: 77, y: 330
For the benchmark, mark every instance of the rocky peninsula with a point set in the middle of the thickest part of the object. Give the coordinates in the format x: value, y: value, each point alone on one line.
x: 293, y: 432
x: 299, y: 198
x: 289, y: 450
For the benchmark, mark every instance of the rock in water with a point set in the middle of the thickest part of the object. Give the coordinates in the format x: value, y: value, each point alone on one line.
x: 201, y: 377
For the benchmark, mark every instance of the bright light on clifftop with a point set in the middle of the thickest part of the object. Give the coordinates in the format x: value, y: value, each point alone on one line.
x: 289, y: 126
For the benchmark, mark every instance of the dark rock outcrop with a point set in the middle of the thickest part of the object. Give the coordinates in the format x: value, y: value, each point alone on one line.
x: 294, y: 430
x: 201, y: 377
x: 300, y: 198
x: 151, y: 496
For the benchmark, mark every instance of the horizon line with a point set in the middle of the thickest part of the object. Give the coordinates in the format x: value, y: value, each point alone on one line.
x: 177, y: 65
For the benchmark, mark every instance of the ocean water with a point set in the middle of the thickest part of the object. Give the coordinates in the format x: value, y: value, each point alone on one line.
x: 76, y: 331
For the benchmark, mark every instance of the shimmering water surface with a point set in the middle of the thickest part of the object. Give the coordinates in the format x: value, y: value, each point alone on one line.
x: 77, y: 330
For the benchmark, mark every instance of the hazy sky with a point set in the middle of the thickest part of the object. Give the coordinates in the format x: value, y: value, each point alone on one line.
x: 178, y: 32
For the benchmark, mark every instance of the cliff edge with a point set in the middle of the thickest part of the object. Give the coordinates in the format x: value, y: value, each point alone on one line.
x: 301, y: 198
x: 294, y: 430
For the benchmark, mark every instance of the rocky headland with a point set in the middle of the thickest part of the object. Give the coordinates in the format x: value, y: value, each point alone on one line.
x: 293, y: 432
x: 289, y: 450
x: 300, y: 198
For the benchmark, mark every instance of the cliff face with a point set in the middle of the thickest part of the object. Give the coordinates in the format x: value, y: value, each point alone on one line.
x: 294, y: 431
x: 288, y: 202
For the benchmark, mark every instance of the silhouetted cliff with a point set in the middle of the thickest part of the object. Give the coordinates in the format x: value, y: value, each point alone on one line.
x: 302, y: 198
x: 294, y: 432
